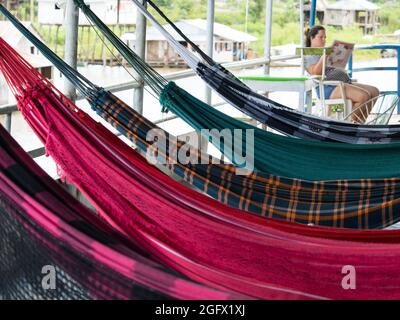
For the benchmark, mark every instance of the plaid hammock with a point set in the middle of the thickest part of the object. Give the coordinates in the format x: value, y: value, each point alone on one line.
x: 349, y: 204
x: 264, y: 110
x: 190, y: 232
x: 368, y: 203
x: 42, y: 225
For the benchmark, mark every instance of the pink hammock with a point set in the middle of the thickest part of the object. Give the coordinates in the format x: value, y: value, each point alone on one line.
x: 207, y: 241
x: 105, y: 269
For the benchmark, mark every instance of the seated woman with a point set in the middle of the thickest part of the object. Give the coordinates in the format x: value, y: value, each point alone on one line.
x: 358, y: 93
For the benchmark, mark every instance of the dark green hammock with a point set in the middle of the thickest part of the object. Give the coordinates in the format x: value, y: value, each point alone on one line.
x: 290, y: 157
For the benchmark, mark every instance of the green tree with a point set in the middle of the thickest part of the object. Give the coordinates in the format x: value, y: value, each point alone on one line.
x: 163, y: 3
x: 256, y: 9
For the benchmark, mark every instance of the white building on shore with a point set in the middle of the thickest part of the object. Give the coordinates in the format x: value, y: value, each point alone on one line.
x: 111, y: 12
x: 229, y: 44
x: 24, y: 47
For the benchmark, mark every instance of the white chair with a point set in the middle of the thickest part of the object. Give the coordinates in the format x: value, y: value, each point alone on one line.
x: 376, y: 111
x: 337, y: 108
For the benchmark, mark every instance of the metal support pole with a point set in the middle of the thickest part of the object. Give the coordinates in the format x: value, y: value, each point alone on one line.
x: 32, y: 11
x: 351, y: 66
x: 7, y: 124
x: 71, y: 44
x: 313, y: 12
x: 140, y: 49
x: 118, y: 6
x: 247, y: 15
x: 268, y: 34
x: 302, y: 33
x: 210, y: 40
x: 301, y: 13
x: 301, y: 20
x: 398, y: 78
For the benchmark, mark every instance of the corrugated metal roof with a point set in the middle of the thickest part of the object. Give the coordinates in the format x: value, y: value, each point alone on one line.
x: 195, y: 30
x: 223, y: 31
x: 353, y: 5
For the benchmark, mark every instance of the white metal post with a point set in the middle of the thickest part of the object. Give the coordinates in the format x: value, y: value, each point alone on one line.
x: 71, y: 44
x: 140, y: 49
x: 301, y: 14
x: 268, y: 33
x: 32, y: 10
x: 210, y: 40
x: 7, y: 124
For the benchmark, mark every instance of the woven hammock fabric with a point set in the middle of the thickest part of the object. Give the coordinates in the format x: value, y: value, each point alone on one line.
x: 189, y: 231
x: 264, y: 110
x: 349, y: 204
x: 43, y: 225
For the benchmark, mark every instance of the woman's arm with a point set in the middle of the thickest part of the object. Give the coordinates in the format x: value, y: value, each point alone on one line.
x: 316, y: 69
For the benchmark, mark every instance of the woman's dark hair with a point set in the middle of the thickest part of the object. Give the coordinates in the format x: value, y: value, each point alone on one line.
x: 311, y: 33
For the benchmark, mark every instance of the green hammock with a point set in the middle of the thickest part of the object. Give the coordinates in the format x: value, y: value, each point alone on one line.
x: 290, y: 157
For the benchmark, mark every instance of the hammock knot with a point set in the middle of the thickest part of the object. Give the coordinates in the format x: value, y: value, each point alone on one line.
x: 165, y: 96
x: 31, y: 92
x: 96, y: 97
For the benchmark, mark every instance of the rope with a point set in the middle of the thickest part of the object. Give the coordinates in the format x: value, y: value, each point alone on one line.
x: 150, y: 76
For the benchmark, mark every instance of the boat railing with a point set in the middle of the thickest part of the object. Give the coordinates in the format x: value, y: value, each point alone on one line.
x: 384, y: 46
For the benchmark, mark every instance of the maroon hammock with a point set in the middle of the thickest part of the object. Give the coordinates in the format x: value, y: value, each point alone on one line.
x: 203, y: 239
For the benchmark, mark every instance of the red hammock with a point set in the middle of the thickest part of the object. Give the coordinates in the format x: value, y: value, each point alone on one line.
x: 190, y: 232
x: 51, y: 221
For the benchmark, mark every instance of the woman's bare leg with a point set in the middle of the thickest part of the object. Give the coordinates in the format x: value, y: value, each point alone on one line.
x: 374, y: 92
x: 357, y: 95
